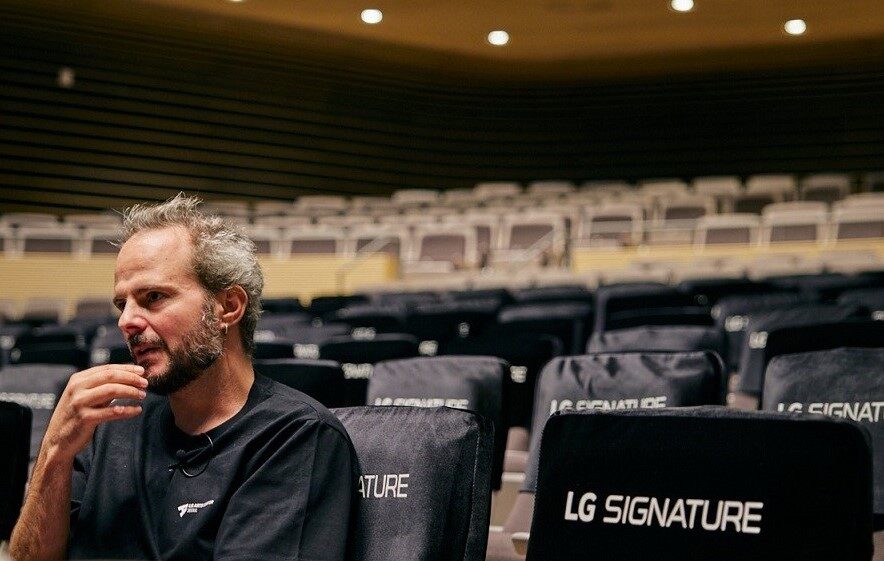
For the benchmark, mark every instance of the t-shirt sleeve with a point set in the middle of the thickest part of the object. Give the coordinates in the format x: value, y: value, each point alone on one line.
x: 296, y: 502
x: 79, y: 476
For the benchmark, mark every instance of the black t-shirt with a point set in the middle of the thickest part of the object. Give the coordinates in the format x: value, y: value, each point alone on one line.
x: 276, y: 482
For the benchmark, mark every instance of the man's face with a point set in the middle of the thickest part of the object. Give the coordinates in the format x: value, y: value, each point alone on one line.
x: 167, y: 318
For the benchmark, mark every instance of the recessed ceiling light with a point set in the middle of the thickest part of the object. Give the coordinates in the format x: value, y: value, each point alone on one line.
x: 682, y: 5
x: 795, y: 27
x: 236, y: 1
x: 499, y: 38
x: 372, y: 16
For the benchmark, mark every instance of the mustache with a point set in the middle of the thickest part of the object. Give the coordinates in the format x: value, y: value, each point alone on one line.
x: 142, y: 339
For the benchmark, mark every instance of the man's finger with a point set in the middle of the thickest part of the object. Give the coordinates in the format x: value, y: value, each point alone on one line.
x: 102, y: 395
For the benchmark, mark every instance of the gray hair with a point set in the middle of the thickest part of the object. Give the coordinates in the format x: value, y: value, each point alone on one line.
x: 223, y: 256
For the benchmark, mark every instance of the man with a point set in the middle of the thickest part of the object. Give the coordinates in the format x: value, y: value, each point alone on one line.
x: 187, y: 454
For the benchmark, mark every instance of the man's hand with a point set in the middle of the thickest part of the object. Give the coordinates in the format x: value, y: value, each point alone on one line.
x: 43, y: 525
x: 86, y: 403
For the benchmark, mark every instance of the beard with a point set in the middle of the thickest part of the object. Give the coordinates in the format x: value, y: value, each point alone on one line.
x: 199, y: 350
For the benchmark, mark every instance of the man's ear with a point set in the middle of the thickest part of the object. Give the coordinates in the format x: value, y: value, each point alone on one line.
x: 233, y: 302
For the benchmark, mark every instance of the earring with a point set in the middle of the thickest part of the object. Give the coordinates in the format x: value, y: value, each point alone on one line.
x: 224, y: 328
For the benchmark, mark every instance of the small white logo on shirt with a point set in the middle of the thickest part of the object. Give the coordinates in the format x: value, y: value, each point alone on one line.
x: 191, y: 508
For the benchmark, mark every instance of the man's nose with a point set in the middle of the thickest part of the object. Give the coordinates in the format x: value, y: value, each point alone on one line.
x: 131, y: 321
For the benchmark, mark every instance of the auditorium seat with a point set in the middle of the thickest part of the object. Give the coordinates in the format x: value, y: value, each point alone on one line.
x: 281, y: 222
x: 47, y: 238
x: 796, y: 221
x: 711, y: 290
x: 550, y: 189
x: 318, y: 205
x: 358, y: 357
x: 349, y: 222
x: 425, y: 493
x: 15, y: 437
x: 323, y: 380
x: 764, y: 189
x: 392, y: 239
x: 322, y: 305
x: 227, y: 208
x: 570, y: 322
x: 442, y: 248
x: 827, y: 287
x: 497, y: 190
x: 414, y: 198
x: 624, y: 306
x: 871, y: 298
x: 732, y: 313
x: 873, y: 199
x: 761, y: 325
x: 282, y: 305
x: 474, y: 383
x: 619, y: 223
x: 658, y: 338
x: 38, y: 387
x: 272, y: 326
x: 839, y: 382
x: 109, y: 346
x: 737, y: 228
x: 606, y: 189
x: 487, y: 228
x: 98, y: 232
x: 51, y: 344
x: 459, y: 199
x: 724, y: 189
x: 276, y: 349
x: 536, y: 237
x: 606, y: 381
x: 312, y: 240
x: 435, y: 324
x: 261, y: 209
x: 95, y: 308
x: 860, y: 222
x: 824, y: 187
x: 368, y: 319
x: 306, y: 338
x: 717, y: 490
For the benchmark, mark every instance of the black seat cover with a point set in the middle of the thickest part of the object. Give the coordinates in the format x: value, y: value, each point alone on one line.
x: 375, y: 318
x: 845, y: 382
x: 358, y: 357
x: 276, y: 326
x: 702, y: 483
x: 621, y: 306
x: 731, y: 316
x: 761, y: 325
x: 658, y: 338
x: 561, y: 293
x: 526, y: 355
x: 435, y: 324
x: 306, y: 339
x: 607, y: 381
x: 38, y: 387
x: 871, y: 298
x: 51, y: 344
x: 710, y: 291
x: 323, y: 380
x: 273, y: 349
x: 570, y: 322
x: 15, y: 436
x: 424, y: 490
x: 474, y: 383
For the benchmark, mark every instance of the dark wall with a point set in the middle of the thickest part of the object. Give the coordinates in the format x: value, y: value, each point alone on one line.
x: 151, y: 114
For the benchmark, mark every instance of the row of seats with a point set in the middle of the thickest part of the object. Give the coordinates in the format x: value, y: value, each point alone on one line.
x: 481, y: 241
x: 735, y: 461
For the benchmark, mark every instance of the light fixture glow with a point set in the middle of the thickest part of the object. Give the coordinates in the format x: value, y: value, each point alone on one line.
x: 795, y: 27
x: 682, y: 5
x: 499, y: 38
x: 372, y: 16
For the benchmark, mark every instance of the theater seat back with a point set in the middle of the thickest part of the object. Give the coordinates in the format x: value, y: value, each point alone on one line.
x: 617, y: 381
x: 424, y: 490
x: 700, y: 484
x: 38, y: 387
x: 323, y: 380
x: 15, y: 437
x: 846, y: 383
x: 473, y: 383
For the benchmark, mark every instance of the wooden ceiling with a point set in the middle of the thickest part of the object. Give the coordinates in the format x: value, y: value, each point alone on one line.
x: 564, y: 40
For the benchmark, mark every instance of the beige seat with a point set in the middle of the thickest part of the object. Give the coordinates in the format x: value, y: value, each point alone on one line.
x: 538, y: 237
x: 723, y: 188
x: 550, y: 189
x: 238, y: 209
x: 862, y: 200
x: 676, y: 219
x: 824, y: 187
x: 411, y: 198
x: 496, y: 190
x: 442, y: 248
x: 392, y: 239
x: 797, y: 221
x: 727, y: 229
x: 762, y: 190
x: 620, y: 223
x: 300, y: 240
x: 609, y: 190
x: 857, y: 222
x: 272, y: 208
x: 320, y: 205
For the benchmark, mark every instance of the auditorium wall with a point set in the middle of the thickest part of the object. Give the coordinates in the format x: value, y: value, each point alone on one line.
x: 157, y: 109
